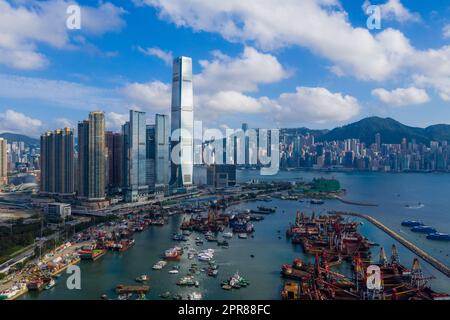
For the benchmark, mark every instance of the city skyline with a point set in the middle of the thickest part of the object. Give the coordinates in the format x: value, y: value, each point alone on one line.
x: 276, y: 78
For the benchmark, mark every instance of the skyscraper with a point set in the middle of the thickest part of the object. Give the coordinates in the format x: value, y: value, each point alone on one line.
x: 162, y: 159
x: 3, y: 162
x: 135, y: 175
x: 114, y: 145
x: 150, y: 157
x: 91, y: 157
x: 182, y: 125
x: 57, y: 162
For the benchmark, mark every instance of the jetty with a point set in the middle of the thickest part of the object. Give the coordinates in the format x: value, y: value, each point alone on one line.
x: 356, y: 203
x: 412, y: 247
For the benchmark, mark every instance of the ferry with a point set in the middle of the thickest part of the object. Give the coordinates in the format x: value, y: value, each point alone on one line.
x: 411, y: 223
x: 423, y: 229
x: 439, y: 236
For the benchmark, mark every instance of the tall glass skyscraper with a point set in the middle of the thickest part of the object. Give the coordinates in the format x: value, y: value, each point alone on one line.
x: 162, y: 159
x: 182, y: 122
x: 135, y: 157
x: 3, y: 162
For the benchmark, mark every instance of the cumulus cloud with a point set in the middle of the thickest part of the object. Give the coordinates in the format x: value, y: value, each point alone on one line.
x: 319, y: 105
x: 114, y: 120
x: 16, y: 122
x: 26, y: 25
x: 401, y: 96
x: 165, y: 56
x: 243, y: 73
x: 395, y: 10
x: 155, y: 96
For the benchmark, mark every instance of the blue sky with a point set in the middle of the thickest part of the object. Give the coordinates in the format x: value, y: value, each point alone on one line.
x: 284, y: 63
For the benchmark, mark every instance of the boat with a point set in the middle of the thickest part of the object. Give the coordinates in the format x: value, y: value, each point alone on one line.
x: 50, y: 285
x: 35, y: 285
x: 235, y: 282
x: 195, y: 296
x: 242, y: 236
x: 142, y: 278
x: 206, y: 255
x: 186, y: 281
x: 159, y: 265
x: 91, y: 254
x: 316, y: 201
x: 423, y: 229
x: 173, y: 254
x: 223, y: 243
x: 439, y: 236
x: 266, y: 209
x: 411, y: 223
x: 228, y: 235
x: 419, y: 205
x: 174, y: 271
x: 165, y: 295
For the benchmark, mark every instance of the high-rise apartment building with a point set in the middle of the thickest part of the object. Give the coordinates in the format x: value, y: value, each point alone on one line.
x: 57, y: 162
x: 3, y: 162
x: 92, y: 157
x: 182, y: 125
x: 150, y: 156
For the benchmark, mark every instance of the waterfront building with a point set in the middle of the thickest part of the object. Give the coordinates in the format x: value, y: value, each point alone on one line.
x: 92, y: 157
x: 57, y: 162
x: 182, y: 123
x: 114, y: 146
x: 221, y: 175
x: 3, y: 162
x: 135, y: 177
x: 162, y: 159
x: 56, y: 210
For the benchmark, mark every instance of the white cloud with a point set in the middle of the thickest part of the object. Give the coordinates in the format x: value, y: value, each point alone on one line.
x: 395, y: 10
x: 401, y: 96
x: 243, y: 73
x: 317, y: 105
x: 230, y: 102
x: 114, y: 120
x: 446, y: 31
x: 16, y: 122
x: 25, y: 25
x: 154, y: 96
x: 320, y: 25
x: 64, y: 123
x: 165, y: 56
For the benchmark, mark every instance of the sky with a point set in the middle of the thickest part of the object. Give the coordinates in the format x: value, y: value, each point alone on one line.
x: 269, y: 63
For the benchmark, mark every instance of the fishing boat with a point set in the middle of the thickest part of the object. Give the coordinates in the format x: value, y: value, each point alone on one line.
x: 186, y: 281
x: 173, y: 254
x: 242, y: 236
x: 439, y: 236
x: 174, y: 271
x: 423, y: 229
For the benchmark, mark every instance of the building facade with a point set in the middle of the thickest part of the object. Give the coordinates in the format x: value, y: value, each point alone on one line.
x: 92, y: 157
x: 162, y: 159
x: 182, y: 123
x: 57, y: 162
x: 135, y: 176
x: 114, y: 146
x: 3, y: 162
x: 150, y: 157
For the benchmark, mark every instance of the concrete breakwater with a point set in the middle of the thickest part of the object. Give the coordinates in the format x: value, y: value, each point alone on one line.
x: 356, y: 203
x: 412, y: 247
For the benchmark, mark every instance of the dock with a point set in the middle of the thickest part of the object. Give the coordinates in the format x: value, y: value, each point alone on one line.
x: 356, y: 203
x: 412, y: 247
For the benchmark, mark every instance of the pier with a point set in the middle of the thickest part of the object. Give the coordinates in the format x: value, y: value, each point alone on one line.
x: 365, y: 204
x: 412, y: 247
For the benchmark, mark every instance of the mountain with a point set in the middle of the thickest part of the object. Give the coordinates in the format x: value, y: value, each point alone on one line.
x: 391, y: 131
x: 19, y: 137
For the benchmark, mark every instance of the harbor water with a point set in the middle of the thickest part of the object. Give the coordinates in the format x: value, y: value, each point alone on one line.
x: 259, y: 258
